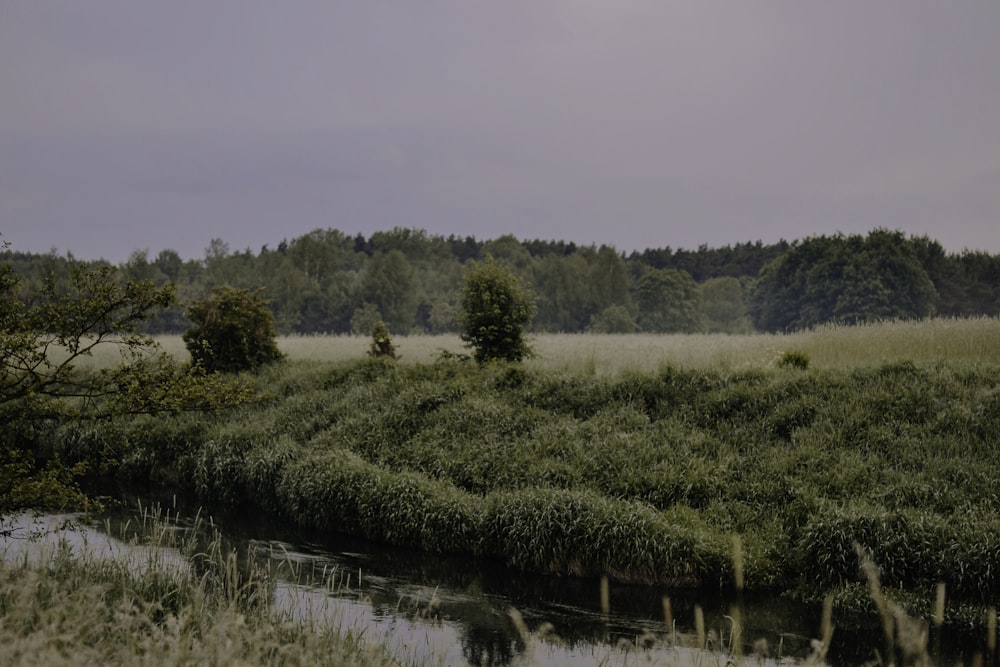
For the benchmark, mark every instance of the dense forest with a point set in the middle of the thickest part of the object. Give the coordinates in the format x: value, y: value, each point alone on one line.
x: 327, y: 281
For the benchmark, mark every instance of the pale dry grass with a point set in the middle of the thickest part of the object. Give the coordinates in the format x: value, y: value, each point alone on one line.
x: 139, y: 603
x: 953, y: 340
x: 975, y: 340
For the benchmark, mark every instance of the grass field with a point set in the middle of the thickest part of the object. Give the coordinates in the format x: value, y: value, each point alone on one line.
x: 963, y: 340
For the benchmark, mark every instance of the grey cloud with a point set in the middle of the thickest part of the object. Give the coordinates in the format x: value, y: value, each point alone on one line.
x: 638, y: 123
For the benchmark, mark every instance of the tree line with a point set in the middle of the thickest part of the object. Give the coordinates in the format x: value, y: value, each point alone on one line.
x: 328, y: 281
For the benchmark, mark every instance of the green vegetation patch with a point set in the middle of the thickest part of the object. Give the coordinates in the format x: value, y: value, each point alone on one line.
x: 640, y: 477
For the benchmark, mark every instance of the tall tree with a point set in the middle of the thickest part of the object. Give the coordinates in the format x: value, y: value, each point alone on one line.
x: 565, y: 297
x: 387, y: 282
x: 668, y: 302
x: 724, y: 306
x: 843, y: 279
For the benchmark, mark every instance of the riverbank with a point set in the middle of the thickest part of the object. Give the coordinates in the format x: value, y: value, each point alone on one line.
x: 639, y: 477
x: 166, y: 599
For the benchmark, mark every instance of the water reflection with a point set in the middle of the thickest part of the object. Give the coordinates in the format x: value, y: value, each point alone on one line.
x: 434, y: 609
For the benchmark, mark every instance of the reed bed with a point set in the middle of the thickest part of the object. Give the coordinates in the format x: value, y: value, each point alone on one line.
x: 68, y: 604
x: 659, y: 470
x: 167, y: 591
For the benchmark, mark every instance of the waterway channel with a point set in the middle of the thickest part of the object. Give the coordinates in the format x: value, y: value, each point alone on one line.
x: 447, y: 610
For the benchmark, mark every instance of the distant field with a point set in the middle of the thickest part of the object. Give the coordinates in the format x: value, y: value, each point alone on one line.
x: 966, y: 340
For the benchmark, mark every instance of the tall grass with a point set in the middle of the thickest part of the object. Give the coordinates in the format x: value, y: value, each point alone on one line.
x: 67, y: 604
x: 173, y: 594
x: 891, y: 445
x: 974, y: 340
x: 655, y: 469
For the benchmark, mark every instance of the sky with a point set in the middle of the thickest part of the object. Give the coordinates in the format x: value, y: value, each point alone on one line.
x: 128, y: 125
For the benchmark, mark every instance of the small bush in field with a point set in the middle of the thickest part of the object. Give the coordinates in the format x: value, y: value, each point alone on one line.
x: 232, y: 330
x: 794, y: 359
x: 382, y: 346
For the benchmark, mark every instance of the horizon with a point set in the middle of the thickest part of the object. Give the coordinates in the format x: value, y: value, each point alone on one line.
x: 271, y: 246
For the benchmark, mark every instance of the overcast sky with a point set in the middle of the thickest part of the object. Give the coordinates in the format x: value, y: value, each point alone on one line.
x: 129, y: 125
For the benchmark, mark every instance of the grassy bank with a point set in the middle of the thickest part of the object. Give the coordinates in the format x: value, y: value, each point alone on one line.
x: 67, y: 605
x: 640, y: 476
x: 578, y: 463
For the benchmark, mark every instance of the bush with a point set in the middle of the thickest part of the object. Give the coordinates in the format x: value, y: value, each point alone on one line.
x: 496, y: 307
x: 381, y: 342
x: 233, y: 330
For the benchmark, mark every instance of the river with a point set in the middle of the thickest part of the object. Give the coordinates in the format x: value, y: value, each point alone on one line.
x: 448, y: 610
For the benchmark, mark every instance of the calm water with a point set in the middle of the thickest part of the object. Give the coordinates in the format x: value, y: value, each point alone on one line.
x: 456, y: 611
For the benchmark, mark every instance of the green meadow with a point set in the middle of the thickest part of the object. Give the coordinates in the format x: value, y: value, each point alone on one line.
x: 640, y: 458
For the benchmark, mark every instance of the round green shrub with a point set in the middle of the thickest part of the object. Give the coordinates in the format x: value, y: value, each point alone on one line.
x: 232, y: 330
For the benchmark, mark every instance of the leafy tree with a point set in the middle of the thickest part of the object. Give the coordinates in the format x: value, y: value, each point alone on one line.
x: 979, y: 277
x: 364, y: 319
x: 464, y: 249
x: 46, y: 332
x: 724, y: 306
x: 443, y: 317
x: 669, y: 302
x: 496, y: 307
x: 169, y: 263
x: 232, y: 330
x: 510, y: 251
x: 609, y: 280
x: 388, y: 281
x: 846, y: 280
x: 565, y: 296
x: 138, y: 267
x: 612, y: 320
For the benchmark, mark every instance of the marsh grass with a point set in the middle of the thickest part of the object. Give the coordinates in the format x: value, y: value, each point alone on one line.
x: 166, y: 598
x: 646, y: 475
x: 640, y: 473
x: 169, y: 592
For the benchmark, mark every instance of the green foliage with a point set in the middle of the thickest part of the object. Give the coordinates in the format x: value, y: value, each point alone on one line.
x: 47, y: 335
x: 232, y: 330
x: 54, y: 487
x: 669, y: 302
x: 316, y: 282
x: 584, y: 534
x: 388, y: 282
x: 639, y: 476
x: 496, y: 308
x: 613, y: 320
x: 724, y: 306
x: 844, y: 280
x: 364, y: 319
x: 44, y: 334
x: 381, y: 345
